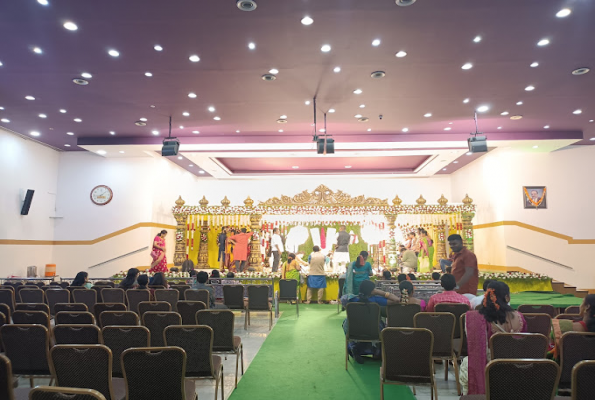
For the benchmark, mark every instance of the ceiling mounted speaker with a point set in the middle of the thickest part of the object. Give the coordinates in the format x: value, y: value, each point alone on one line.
x: 246, y: 5
x: 378, y: 74
x: 405, y: 3
x: 268, y: 77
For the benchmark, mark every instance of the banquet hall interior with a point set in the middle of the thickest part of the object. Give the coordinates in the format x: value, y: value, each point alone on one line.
x: 126, y: 124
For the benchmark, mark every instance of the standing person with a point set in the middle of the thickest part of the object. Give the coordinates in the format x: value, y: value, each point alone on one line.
x: 130, y: 281
x: 357, y: 272
x: 221, y: 242
x: 408, y: 260
x: 449, y: 295
x: 158, y: 254
x: 240, y: 248
x: 426, y: 252
x: 276, y: 248
x: 414, y: 243
x: 292, y: 267
x: 464, y: 266
x: 317, y: 278
x: 341, y: 255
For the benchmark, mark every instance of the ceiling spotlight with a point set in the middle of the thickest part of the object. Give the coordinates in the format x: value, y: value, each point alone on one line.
x: 194, y: 58
x: 5, y: 120
x: 66, y: 145
x: 113, y: 53
x: 591, y: 120
x: 322, y: 130
x: 86, y: 75
x: 29, y: 97
x: 121, y: 152
x: 273, y: 71
x: 378, y: 74
x: 180, y: 157
x: 42, y: 116
x: 148, y: 74
x: 427, y: 115
x: 201, y: 172
x: 593, y: 138
x: 362, y: 106
x: 251, y: 46
x: 280, y: 130
x: 186, y: 114
x: 158, y: 48
x: 307, y: 21
x: 196, y: 132
x: 283, y: 117
x: 468, y: 153
x: 71, y: 26
x: 455, y: 162
x: 369, y: 129
x: 268, y: 77
x: 152, y: 106
x: 211, y: 109
x: 404, y: 3
x: 112, y: 132
x: 577, y: 112
x: 1, y: 64
x: 358, y: 116
x: 466, y: 101
x: 581, y: 71
x: 443, y: 169
x: 72, y: 133
x: 499, y: 127
x: 546, y: 127
x: 448, y: 128
x: 181, y: 126
x: 477, y: 39
x: 246, y: 5
x: 376, y: 42
x: 530, y: 88
x: 192, y: 95
x: 37, y: 50
x: 534, y: 64
x: 1, y: 108
x: 191, y: 165
x: 307, y: 102
x: 516, y: 117
x: 155, y: 133
x: 504, y: 113
x: 405, y: 130
x: 401, y: 54
x: 217, y: 118
x: 565, y: 12
x: 348, y: 166
x: 237, y: 131
x: 295, y: 167
x: 43, y: 2
x: 140, y: 123
x: 519, y: 103
x: 143, y: 119
x: 77, y: 120
x: 332, y: 110
x: 281, y: 121
x: 337, y: 69
x: 325, y: 48
x: 357, y: 91
x: 467, y: 66
x: 34, y: 133
x: 536, y: 147
x: 543, y: 42
x: 80, y: 81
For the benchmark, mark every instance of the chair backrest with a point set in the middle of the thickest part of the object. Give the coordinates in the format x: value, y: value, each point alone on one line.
x: 74, y: 318
x: 401, y: 315
x: 583, y: 384
x: 77, y: 334
x: 145, y: 306
x: 442, y: 326
x: 573, y: 310
x: 88, y: 366
x: 463, y: 352
x: 111, y: 295
x: 537, y: 309
x: 86, y: 296
x: 258, y: 297
x: 154, y: 373
x: 5, y: 309
x: 457, y: 309
x: 521, y: 379
x: 6, y: 384
x: 188, y: 309
x: 539, y: 323
x: 181, y: 289
x: 157, y: 321
x: 61, y: 393
x: 135, y: 296
x: 222, y: 323
x: 571, y: 317
x: 363, y: 321
x: 54, y: 296
x: 99, y: 289
x: 121, y: 318
x: 120, y: 338
x: 197, y: 342
x: 518, y: 345
x: 407, y: 354
x: 33, y: 307
x: 31, y: 317
x: 71, y: 307
x: 7, y: 297
x: 169, y: 295
x: 31, y: 294
x: 106, y: 283
x: 101, y: 307
x: 27, y: 347
x: 233, y: 296
x: 288, y: 289
x: 575, y: 347
x: 341, y: 284
x: 198, y: 295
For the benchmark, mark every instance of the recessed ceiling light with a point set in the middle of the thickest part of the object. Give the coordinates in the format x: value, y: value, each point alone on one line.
x: 467, y: 66
x: 307, y: 102
x: 158, y: 47
x: 37, y: 50
x: 477, y: 39
x: 217, y: 118
x: 499, y: 127
x: 194, y: 58
x: 34, y: 133
x: 565, y: 12
x: 357, y: 91
x: 468, y: 153
x: 535, y: 147
x: 186, y: 114
x: 143, y: 119
x: 191, y: 165
x: 543, y: 42
x: 483, y: 108
x: 71, y: 26
x: 152, y: 106
x: 405, y: 130
x: 196, y: 132
x: 237, y: 131
x: 148, y: 74
x: 280, y: 130
x: 181, y: 126
x: 516, y: 117
x: 43, y: 2
x: 427, y: 115
x: 251, y: 46
x: 357, y: 115
x: 455, y: 162
x: 86, y: 75
x: 1, y: 63
x: 273, y: 71
x: 307, y: 20
x: 72, y: 133
x: 80, y: 81
x: 337, y: 69
x: 519, y: 103
x: 155, y: 132
x: 577, y: 112
x: 591, y: 120
x: 332, y: 110
x: 140, y: 123
x: 211, y: 109
x: 295, y: 167
x: 112, y: 132
x: 466, y: 101
x: 363, y: 119
x: 42, y: 116
x: 448, y: 128
x: 192, y: 95
x: 534, y: 64
x: 325, y: 48
x: 281, y: 121
x: 66, y: 145
x: 322, y: 130
x: 376, y: 42
x: 401, y: 54
x: 113, y: 53
x: 180, y: 157
x: 593, y: 138
x: 1, y: 108
x: 201, y: 172
x: 78, y: 120
x: 530, y: 88
x: 546, y: 127
x: 283, y: 117
x: 581, y: 71
x: 121, y: 152
x: 29, y: 97
x: 369, y: 129
x: 5, y: 120
x: 348, y: 166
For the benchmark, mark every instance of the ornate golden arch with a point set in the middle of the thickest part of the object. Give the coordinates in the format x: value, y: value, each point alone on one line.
x: 324, y: 196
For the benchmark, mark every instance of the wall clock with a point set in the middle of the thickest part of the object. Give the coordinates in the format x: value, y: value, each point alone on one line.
x: 101, y: 195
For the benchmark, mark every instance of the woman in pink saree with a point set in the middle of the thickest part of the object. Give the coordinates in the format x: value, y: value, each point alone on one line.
x: 495, y: 316
x: 159, y: 263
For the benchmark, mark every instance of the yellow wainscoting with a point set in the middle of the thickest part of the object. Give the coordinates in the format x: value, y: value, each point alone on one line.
x: 569, y: 239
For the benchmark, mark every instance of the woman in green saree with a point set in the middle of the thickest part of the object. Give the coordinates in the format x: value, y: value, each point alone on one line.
x: 292, y: 267
x: 426, y: 252
x: 562, y: 326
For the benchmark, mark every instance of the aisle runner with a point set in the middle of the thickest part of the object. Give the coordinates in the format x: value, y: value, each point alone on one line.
x: 305, y: 359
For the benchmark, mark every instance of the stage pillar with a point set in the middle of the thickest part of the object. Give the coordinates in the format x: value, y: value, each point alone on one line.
x: 467, y: 217
x: 203, y: 249
x: 255, y: 258
x: 392, y: 243
x: 180, y: 249
x: 441, y: 248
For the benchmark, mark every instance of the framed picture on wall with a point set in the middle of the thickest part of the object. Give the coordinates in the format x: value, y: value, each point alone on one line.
x: 535, y: 197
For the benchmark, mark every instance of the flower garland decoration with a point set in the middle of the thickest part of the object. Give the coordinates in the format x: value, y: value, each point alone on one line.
x: 203, y: 238
x: 535, y: 203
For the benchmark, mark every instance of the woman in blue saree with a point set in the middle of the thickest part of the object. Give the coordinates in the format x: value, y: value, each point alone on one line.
x: 358, y: 271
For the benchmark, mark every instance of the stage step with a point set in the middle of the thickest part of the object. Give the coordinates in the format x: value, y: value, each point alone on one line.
x: 563, y: 288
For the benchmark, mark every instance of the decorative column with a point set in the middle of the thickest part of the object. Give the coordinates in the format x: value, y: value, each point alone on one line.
x: 441, y: 227
x: 180, y: 249
x: 392, y: 244
x: 255, y: 260
x: 203, y: 249
x: 467, y: 217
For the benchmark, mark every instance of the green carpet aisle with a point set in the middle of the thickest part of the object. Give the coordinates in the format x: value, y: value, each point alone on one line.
x: 305, y: 359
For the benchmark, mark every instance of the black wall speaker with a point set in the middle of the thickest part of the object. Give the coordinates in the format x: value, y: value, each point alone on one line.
x: 170, y: 147
x: 325, y: 146
x: 27, y: 202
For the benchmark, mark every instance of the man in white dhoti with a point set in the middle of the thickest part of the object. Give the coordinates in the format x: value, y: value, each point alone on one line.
x: 341, y: 255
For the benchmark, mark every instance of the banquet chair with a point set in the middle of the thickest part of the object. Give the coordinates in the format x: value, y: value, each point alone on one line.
x: 31, y: 295
x: 85, y: 366
x: 27, y: 348
x: 539, y: 323
x: 197, y: 342
x: 518, y: 345
x: 106, y: 283
x: 224, y: 342
x: 156, y: 373
x: 99, y: 290
x: 70, y: 307
x: 61, y: 393
x: 77, y: 334
x: 86, y: 296
x: 155, y: 287
x: 442, y: 326
x: 55, y: 296
x: 571, y: 317
x: 401, y: 315
x: 63, y: 284
x: 5, y: 309
x: 363, y: 325
x: 341, y: 284
x: 145, y: 306
x: 288, y: 291
x: 199, y: 295
x: 169, y: 295
x: 583, y: 384
x: 135, y: 296
x: 574, y: 347
x: 537, y: 309
x: 181, y: 290
x: 7, y: 297
x: 101, y: 307
x: 461, y: 351
x: 407, y: 358
x: 457, y: 309
x: 188, y: 309
x: 74, y: 318
x: 31, y: 317
x: 120, y: 338
x: 6, y: 379
x: 33, y: 307
x: 572, y: 310
x: 112, y: 295
x: 157, y: 321
x: 258, y: 300
x: 233, y: 297
x: 120, y: 318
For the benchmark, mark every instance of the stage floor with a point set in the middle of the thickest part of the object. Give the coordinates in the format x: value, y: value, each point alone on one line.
x: 553, y: 298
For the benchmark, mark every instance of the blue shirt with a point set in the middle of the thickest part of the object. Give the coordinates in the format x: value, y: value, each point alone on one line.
x: 380, y: 300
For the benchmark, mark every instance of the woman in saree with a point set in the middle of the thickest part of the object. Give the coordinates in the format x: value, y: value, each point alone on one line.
x: 426, y: 252
x: 495, y: 316
x: 159, y: 263
x: 358, y: 271
x: 561, y: 326
x: 292, y: 267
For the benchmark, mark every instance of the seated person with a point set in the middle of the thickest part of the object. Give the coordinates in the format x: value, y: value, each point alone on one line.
x: 143, y: 281
x: 408, y: 260
x: 449, y: 295
x: 215, y: 275
x: 82, y: 279
x: 411, y: 277
x: 387, y: 276
x: 401, y: 278
x: 561, y: 326
x: 229, y: 275
x: 436, y: 276
x: 408, y: 297
x: 496, y: 316
x: 201, y: 283
x: 448, y: 270
x: 159, y: 279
